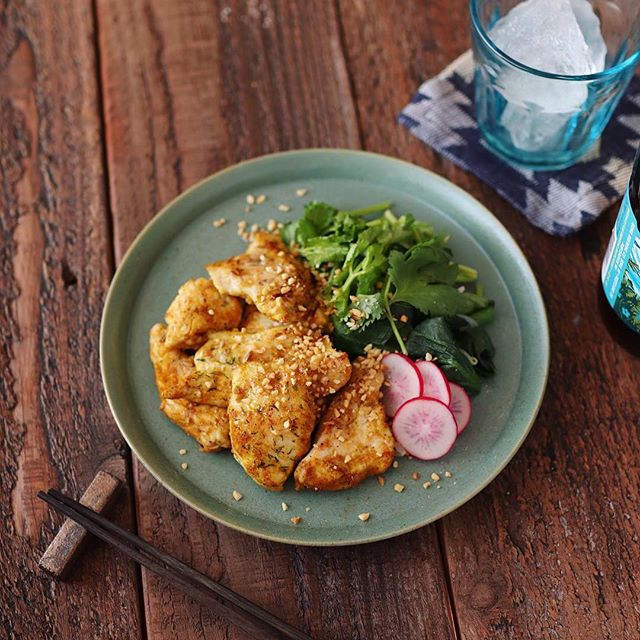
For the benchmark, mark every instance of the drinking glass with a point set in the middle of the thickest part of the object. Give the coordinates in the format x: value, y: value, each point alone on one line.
x: 514, y: 120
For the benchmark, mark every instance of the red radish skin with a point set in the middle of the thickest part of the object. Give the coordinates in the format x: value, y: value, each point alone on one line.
x: 402, y: 382
x: 460, y: 406
x: 426, y: 428
x: 434, y: 383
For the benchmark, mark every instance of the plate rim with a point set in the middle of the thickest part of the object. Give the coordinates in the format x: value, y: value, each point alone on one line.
x: 543, y: 347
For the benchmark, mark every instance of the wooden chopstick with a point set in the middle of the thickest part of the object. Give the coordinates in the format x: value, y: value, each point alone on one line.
x: 227, y: 603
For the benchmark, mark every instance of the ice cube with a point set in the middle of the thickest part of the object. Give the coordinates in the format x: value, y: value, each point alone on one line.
x: 545, y: 35
x: 589, y: 24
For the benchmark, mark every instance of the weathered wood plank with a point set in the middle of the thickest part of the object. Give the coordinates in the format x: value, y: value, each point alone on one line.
x: 550, y: 549
x: 191, y: 87
x: 55, y: 268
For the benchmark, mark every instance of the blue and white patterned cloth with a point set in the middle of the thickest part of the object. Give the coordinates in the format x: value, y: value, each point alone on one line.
x: 441, y: 114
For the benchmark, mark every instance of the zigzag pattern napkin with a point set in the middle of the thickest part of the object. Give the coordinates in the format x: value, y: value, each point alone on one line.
x: 441, y: 114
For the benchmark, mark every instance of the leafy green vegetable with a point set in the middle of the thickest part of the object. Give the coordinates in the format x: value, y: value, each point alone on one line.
x: 436, y: 337
x: 391, y: 281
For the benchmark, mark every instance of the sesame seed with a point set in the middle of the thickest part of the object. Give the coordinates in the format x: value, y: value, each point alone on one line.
x: 248, y: 209
x: 284, y: 506
x: 296, y: 519
x: 284, y: 208
x: 426, y: 485
x: 364, y: 516
x: 381, y: 481
x: 398, y: 488
x: 210, y: 312
x: 182, y: 452
x: 404, y: 318
x: 237, y: 496
x: 261, y: 199
x: 184, y: 465
x: 251, y: 199
x: 307, y: 509
x: 447, y: 474
x: 287, y: 424
x: 347, y: 459
x: 395, y: 464
x: 219, y: 223
x: 271, y: 225
x: 415, y: 475
x: 301, y: 192
x: 435, y: 477
x: 428, y: 357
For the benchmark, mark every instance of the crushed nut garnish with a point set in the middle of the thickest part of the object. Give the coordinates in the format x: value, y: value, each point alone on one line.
x: 219, y: 223
x: 398, y: 488
x: 261, y: 199
x: 237, y: 496
x: 184, y: 465
x: 447, y: 474
x: 404, y: 318
x: 251, y: 199
x: 364, y: 516
x: 347, y: 458
x: 287, y: 424
x: 301, y: 192
x: 182, y: 452
x: 296, y: 519
x: 381, y: 481
x: 426, y: 485
x: 284, y: 208
x: 285, y: 506
x: 415, y: 475
x: 435, y: 477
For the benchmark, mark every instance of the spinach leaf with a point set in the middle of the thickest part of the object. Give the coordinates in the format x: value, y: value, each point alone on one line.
x: 436, y: 337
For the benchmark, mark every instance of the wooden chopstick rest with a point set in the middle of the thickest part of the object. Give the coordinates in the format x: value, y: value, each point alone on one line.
x: 65, y: 547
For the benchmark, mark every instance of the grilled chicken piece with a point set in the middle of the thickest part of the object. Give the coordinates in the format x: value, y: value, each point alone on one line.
x: 254, y: 321
x: 275, y: 399
x: 268, y: 276
x: 208, y: 425
x: 271, y: 419
x: 198, y: 309
x: 322, y: 368
x: 177, y: 377
x: 354, y: 440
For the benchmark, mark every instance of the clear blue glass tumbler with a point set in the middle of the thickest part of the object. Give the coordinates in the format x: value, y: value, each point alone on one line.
x: 583, y: 54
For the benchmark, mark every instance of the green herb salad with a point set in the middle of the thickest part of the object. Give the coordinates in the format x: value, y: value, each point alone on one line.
x: 392, y: 282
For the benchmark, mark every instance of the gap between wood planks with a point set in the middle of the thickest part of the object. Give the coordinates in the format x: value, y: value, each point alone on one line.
x: 127, y: 455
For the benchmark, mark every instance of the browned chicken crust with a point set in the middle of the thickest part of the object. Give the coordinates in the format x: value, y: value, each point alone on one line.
x: 208, y: 425
x: 198, y: 309
x: 178, y: 378
x: 353, y: 440
x: 271, y: 421
x: 274, y: 401
x: 268, y: 276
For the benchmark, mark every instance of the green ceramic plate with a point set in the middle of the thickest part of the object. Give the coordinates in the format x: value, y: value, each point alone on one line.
x: 181, y: 238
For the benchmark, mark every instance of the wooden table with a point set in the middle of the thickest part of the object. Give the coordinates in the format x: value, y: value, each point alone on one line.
x: 107, y: 111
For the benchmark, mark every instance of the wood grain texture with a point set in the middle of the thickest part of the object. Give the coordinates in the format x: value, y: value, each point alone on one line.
x: 189, y: 88
x: 55, y: 268
x: 550, y: 549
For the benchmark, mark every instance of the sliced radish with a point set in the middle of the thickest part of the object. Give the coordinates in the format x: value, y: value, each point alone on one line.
x: 460, y: 406
x: 434, y: 383
x: 425, y: 427
x: 402, y: 382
